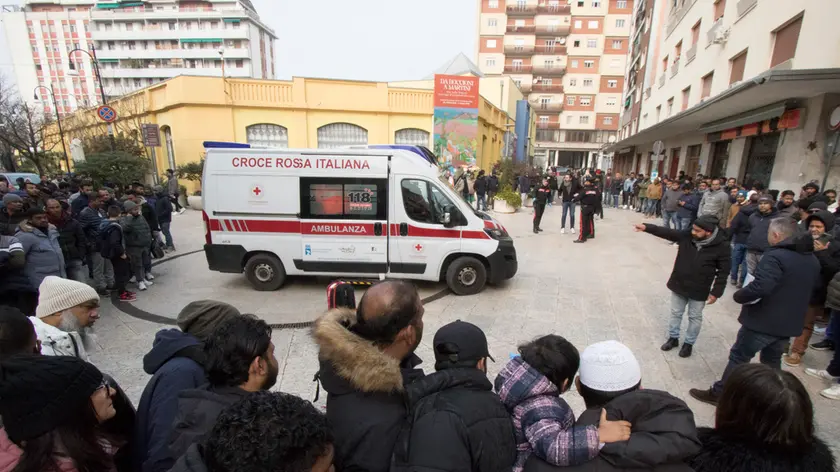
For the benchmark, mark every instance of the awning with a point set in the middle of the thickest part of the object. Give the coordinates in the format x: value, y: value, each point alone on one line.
x: 758, y: 97
x: 749, y: 117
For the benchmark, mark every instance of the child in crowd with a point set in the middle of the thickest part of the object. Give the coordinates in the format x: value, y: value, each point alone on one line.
x: 530, y: 387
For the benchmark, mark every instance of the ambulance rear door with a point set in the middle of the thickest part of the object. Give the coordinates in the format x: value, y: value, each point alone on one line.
x: 344, y: 216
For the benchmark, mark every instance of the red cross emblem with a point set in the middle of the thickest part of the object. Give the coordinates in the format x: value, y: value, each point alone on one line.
x: 418, y: 248
x: 256, y: 191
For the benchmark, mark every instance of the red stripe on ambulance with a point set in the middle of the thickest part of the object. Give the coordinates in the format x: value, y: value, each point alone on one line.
x: 335, y: 228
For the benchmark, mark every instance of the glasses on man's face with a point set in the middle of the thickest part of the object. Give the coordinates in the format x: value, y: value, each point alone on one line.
x: 106, y: 385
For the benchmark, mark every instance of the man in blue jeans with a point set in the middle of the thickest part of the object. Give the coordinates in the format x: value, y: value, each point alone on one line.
x: 774, y: 304
x: 739, y: 230
x: 687, y: 206
x: 698, y: 278
x: 568, y: 189
x: 616, y: 186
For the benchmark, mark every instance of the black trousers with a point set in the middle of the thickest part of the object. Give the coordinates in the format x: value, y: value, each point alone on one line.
x: 122, y: 272
x: 587, y: 222
x: 539, y: 209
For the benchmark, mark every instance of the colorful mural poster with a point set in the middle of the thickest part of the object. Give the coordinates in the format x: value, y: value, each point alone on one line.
x: 456, y: 120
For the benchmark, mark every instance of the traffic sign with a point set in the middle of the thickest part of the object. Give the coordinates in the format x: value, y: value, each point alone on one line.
x: 151, y: 134
x: 107, y: 114
x: 658, y: 147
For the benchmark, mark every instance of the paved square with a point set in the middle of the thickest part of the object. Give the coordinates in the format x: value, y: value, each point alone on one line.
x: 612, y: 287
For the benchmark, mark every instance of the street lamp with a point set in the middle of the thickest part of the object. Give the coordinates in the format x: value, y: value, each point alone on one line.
x: 57, y: 119
x: 98, y: 73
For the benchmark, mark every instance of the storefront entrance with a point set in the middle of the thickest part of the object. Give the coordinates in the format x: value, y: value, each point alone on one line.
x: 720, y: 158
x: 692, y: 163
x: 760, y: 159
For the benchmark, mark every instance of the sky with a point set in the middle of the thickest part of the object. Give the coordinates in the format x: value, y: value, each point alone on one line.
x: 376, y: 40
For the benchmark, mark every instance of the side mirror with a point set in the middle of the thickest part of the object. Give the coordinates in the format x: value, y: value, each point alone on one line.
x: 446, y: 219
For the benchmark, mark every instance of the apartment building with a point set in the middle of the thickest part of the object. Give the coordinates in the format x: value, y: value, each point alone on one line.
x: 137, y: 43
x: 743, y: 89
x: 568, y: 57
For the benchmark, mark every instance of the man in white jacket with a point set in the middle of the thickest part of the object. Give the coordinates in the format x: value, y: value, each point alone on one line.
x: 66, y: 311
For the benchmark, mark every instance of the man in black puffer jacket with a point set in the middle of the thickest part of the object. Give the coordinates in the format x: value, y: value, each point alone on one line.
x: 759, y: 222
x: 663, y: 435
x: 457, y: 422
x: 739, y: 231
x: 698, y: 278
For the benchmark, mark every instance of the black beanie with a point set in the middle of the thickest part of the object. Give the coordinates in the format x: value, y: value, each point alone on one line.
x: 40, y: 393
x: 707, y: 223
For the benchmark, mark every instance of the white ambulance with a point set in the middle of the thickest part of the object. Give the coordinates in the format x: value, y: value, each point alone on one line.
x: 356, y: 213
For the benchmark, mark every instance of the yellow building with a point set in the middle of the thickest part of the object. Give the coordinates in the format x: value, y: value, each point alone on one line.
x: 301, y: 113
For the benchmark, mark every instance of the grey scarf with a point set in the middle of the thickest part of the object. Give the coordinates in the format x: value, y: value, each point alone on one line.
x: 568, y: 185
x: 705, y: 242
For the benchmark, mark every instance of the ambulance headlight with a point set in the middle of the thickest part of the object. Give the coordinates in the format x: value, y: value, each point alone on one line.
x: 496, y: 233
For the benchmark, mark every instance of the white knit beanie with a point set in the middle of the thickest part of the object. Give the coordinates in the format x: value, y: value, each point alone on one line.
x: 57, y: 294
x: 609, y: 366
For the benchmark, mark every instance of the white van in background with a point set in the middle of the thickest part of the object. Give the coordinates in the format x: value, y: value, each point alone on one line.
x: 359, y: 213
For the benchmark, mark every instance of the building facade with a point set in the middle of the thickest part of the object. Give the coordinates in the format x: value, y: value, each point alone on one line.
x: 300, y: 113
x: 136, y: 43
x: 569, y: 58
x: 742, y: 89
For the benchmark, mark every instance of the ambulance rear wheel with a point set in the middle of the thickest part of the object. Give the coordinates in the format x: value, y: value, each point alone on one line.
x: 466, y: 276
x: 265, y: 272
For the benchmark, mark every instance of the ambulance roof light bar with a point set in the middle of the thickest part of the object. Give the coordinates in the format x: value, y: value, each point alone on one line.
x: 225, y: 145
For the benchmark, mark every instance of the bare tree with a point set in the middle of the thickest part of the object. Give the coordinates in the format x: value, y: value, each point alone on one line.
x: 23, y: 128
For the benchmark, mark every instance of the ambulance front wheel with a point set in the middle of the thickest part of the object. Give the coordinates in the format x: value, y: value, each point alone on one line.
x: 265, y: 272
x: 466, y: 276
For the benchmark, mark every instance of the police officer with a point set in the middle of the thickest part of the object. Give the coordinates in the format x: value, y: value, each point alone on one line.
x: 542, y: 197
x: 590, y: 199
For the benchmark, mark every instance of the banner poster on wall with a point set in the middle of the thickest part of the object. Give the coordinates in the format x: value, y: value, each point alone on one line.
x: 456, y: 120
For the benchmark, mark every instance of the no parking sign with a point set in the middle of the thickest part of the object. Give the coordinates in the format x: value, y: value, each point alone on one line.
x: 106, y: 114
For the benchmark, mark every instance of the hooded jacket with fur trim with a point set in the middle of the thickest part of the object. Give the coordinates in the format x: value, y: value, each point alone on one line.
x: 366, y: 404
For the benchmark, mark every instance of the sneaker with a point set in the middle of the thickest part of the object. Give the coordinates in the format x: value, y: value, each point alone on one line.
x: 182, y: 211
x: 821, y: 374
x: 792, y: 360
x: 706, y: 396
x: 103, y: 292
x: 141, y: 286
x: 132, y: 280
x: 149, y: 276
x: 563, y: 231
x: 685, y: 351
x: 832, y: 393
x: 820, y: 330
x: 540, y: 230
x: 149, y: 282
x: 580, y: 240
x: 739, y: 285
x: 128, y: 297
x: 670, y: 344
x: 572, y: 230
x: 733, y: 282
x: 824, y: 345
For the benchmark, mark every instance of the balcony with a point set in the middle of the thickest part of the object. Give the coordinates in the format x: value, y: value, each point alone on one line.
x: 517, y: 50
x: 548, y: 135
x: 517, y: 69
x: 675, y: 67
x: 553, y: 30
x: 691, y: 54
x: 745, y: 6
x: 165, y: 72
x: 712, y: 34
x: 549, y: 71
x: 547, y: 88
x: 521, y: 29
x: 551, y: 50
x: 662, y: 80
x: 647, y: 93
x: 149, y: 34
x: 543, y: 107
x: 554, y: 9
x: 230, y: 53
x: 521, y: 10
x: 548, y: 125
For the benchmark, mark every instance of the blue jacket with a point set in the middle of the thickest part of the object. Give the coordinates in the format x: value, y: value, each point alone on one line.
x: 784, y: 280
x: 759, y: 226
x: 175, y: 363
x: 43, y: 253
x: 689, y: 210
x: 628, y: 184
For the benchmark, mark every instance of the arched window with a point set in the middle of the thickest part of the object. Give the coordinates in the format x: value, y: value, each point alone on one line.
x: 336, y: 135
x: 268, y: 135
x: 170, y: 148
x: 412, y: 136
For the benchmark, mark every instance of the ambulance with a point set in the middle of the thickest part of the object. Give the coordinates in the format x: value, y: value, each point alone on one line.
x: 351, y: 213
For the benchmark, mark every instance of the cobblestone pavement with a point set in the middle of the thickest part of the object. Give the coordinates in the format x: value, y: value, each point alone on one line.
x: 612, y: 287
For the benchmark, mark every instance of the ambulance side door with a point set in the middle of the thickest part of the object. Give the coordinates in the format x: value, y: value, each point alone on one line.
x: 423, y: 235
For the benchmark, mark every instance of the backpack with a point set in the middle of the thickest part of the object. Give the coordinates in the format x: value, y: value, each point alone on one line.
x: 341, y: 295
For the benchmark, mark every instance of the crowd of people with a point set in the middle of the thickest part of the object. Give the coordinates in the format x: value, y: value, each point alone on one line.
x: 62, y: 227
x: 208, y: 408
